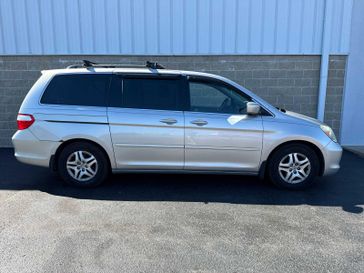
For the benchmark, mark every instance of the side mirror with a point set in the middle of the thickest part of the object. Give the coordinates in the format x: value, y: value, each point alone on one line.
x: 252, y: 108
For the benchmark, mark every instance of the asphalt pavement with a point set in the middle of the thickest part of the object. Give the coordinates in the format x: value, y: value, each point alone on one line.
x: 180, y: 223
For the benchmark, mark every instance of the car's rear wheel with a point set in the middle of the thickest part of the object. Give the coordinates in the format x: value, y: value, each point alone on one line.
x: 293, y: 166
x: 83, y: 164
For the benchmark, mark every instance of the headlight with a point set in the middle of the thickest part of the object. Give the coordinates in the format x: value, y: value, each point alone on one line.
x: 329, y: 132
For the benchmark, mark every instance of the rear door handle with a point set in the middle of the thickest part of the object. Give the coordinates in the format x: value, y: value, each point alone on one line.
x: 199, y: 122
x: 169, y: 121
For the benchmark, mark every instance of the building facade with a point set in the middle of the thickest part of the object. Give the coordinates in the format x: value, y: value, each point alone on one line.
x: 302, y: 55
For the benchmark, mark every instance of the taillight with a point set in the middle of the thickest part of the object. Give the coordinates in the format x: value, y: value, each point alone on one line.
x: 24, y: 121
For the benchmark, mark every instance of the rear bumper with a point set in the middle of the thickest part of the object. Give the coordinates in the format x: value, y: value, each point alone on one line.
x: 30, y: 150
x: 332, y: 154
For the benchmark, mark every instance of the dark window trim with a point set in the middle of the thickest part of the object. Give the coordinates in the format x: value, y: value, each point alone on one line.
x: 217, y: 81
x: 115, y: 77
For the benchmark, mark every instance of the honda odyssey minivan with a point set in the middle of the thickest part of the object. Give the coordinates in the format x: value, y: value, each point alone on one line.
x: 88, y: 120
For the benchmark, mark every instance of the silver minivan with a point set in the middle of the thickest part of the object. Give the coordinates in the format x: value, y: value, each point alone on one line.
x: 89, y: 120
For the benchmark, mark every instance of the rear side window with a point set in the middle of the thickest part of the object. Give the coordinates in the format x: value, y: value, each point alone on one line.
x: 149, y: 93
x: 79, y: 89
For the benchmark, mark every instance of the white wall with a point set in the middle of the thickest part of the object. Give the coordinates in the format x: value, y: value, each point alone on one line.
x: 352, y: 127
x: 171, y: 26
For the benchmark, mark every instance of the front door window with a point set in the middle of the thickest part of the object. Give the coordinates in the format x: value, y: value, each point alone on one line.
x: 211, y: 97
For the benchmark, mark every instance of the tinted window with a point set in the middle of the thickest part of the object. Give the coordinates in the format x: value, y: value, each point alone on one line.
x: 88, y: 90
x: 216, y: 98
x: 115, y: 95
x: 148, y: 93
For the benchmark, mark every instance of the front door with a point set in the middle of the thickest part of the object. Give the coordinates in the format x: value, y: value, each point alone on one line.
x: 146, y: 122
x: 219, y: 135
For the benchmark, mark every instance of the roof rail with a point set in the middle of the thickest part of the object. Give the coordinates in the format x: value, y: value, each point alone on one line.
x: 86, y: 63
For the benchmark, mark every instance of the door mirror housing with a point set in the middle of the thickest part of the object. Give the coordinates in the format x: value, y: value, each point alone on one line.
x: 252, y: 108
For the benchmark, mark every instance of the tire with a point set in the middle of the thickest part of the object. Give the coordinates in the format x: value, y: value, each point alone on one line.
x: 283, y: 172
x: 83, y: 164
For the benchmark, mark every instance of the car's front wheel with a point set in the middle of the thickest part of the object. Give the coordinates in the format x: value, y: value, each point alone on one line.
x: 293, y: 166
x: 83, y: 164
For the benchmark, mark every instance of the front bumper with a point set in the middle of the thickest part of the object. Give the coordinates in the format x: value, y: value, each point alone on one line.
x: 332, y: 153
x: 30, y: 150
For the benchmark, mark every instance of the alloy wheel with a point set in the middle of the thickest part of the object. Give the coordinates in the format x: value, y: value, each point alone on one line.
x: 82, y: 165
x: 294, y: 168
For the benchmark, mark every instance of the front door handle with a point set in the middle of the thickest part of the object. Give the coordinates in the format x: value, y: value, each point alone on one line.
x: 169, y: 121
x: 199, y: 122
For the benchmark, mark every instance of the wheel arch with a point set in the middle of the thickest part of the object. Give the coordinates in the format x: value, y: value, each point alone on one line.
x: 311, y: 145
x: 54, y: 159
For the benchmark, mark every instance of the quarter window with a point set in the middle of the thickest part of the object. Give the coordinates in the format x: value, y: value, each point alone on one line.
x: 77, y: 89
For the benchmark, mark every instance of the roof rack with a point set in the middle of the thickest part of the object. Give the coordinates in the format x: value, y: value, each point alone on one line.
x: 87, y: 64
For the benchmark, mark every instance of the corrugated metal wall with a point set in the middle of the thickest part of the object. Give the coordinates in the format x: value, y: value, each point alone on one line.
x: 171, y: 26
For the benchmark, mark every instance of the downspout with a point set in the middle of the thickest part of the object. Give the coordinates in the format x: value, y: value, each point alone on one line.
x: 325, y: 54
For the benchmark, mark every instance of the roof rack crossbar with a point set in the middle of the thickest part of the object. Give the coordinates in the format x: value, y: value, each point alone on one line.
x: 86, y: 63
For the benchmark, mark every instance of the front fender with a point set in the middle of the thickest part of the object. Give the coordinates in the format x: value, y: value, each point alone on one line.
x: 277, y: 133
